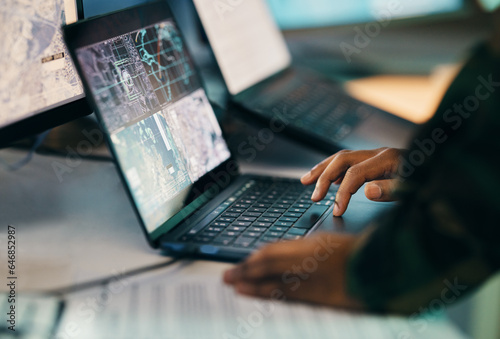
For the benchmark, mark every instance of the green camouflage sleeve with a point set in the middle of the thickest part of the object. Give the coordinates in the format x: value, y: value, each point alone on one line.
x: 442, y: 239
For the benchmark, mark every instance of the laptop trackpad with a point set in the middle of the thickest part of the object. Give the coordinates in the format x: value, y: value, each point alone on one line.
x: 359, y: 214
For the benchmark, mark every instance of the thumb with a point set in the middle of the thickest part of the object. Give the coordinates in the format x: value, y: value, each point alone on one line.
x: 381, y: 190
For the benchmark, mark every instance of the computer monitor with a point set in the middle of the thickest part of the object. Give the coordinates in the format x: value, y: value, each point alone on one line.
x: 300, y: 14
x: 39, y: 86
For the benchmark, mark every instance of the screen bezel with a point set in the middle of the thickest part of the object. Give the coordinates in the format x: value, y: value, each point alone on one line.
x: 48, y: 118
x: 94, y: 30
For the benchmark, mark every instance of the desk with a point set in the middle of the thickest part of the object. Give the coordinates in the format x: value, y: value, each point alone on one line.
x: 83, y: 228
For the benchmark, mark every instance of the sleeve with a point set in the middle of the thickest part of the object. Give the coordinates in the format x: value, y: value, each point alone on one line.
x: 442, y: 240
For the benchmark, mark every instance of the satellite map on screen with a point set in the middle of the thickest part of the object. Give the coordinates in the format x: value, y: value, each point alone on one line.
x: 162, y: 126
x: 37, y: 72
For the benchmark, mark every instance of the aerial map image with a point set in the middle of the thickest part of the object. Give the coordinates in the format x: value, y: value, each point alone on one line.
x: 37, y: 71
x: 197, y: 134
x: 119, y: 82
x: 153, y: 167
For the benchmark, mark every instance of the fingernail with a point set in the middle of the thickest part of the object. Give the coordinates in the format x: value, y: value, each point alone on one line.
x: 336, y: 209
x: 306, y: 176
x: 373, y: 191
x: 315, y: 195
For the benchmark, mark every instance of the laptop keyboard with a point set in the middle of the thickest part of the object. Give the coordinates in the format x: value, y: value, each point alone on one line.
x: 261, y: 212
x: 319, y: 108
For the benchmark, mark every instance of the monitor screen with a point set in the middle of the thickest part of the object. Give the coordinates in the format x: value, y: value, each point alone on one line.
x: 98, y: 7
x: 296, y: 14
x: 161, y: 126
x: 245, y: 40
x: 37, y: 72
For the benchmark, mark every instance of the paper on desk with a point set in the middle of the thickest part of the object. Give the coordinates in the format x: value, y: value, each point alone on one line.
x: 28, y: 316
x: 201, y: 307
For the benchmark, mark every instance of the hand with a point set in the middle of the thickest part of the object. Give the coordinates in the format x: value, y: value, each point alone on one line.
x: 311, y: 270
x: 351, y: 169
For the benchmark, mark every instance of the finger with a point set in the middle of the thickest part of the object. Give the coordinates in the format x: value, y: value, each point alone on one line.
x: 356, y: 176
x: 381, y: 190
x: 267, y: 263
x: 339, y: 180
x: 310, y: 177
x: 261, y: 290
x: 337, y: 168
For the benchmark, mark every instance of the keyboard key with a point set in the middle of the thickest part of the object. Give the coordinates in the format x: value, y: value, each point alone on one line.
x: 311, y: 217
x: 262, y: 224
x: 297, y: 231
x: 278, y: 229
x: 257, y: 229
x: 276, y: 210
x: 271, y: 215
x: 219, y: 224
x: 215, y: 229
x: 244, y: 241
x: 203, y: 240
x: 252, y: 234
x: 269, y: 239
x: 246, y: 201
x: 288, y: 219
x: 231, y: 215
x: 250, y: 219
x: 265, y: 206
x: 252, y: 214
x: 257, y: 210
x: 223, y: 240
x: 236, y: 210
x: 297, y: 210
x: 244, y: 206
x: 209, y: 234
x: 304, y: 201
x: 284, y: 223
x: 224, y: 219
x: 301, y: 206
x: 292, y: 214
x: 284, y: 206
x: 235, y: 228
x: 270, y: 220
x: 274, y: 234
x: 291, y: 237
x: 230, y: 234
x: 241, y: 223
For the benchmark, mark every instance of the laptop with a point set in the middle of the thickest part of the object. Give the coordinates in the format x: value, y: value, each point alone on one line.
x: 170, y: 151
x: 256, y: 66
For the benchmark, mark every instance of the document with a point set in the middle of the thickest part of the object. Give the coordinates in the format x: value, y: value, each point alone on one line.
x: 175, y: 306
x: 28, y: 316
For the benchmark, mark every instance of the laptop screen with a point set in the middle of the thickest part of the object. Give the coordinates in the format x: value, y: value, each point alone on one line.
x: 246, y: 41
x: 162, y: 128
